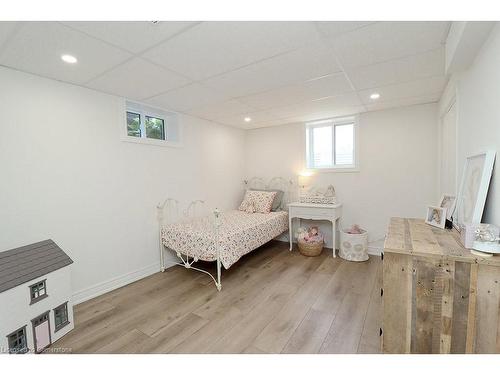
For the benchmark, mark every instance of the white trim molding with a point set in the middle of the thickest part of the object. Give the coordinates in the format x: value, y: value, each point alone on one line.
x: 375, y: 250
x: 114, y: 283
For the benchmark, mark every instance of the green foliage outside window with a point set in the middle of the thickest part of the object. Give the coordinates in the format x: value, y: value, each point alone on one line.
x: 155, y: 128
x: 133, y: 124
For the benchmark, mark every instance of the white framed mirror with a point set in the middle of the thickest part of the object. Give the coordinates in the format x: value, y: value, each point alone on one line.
x: 473, y: 190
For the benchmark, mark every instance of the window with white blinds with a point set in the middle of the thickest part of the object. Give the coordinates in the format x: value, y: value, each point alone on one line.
x: 331, y: 144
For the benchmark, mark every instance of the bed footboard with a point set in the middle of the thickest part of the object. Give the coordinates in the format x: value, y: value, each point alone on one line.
x: 168, y: 213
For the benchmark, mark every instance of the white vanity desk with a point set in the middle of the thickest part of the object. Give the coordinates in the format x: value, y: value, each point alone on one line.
x: 311, y: 211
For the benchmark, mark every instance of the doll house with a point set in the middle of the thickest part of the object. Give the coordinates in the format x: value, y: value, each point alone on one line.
x: 35, y: 295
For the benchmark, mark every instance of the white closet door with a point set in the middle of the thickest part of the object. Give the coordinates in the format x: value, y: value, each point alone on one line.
x: 448, y: 175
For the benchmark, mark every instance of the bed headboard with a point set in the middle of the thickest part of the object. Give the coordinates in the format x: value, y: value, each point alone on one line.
x: 169, y: 211
x: 278, y: 183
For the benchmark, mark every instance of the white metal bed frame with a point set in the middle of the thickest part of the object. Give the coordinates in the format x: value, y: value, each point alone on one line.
x: 170, y: 207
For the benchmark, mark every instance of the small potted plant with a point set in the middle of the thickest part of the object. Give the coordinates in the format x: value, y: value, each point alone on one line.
x: 310, y: 241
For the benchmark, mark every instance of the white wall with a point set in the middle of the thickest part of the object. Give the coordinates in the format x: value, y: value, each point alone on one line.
x: 398, y: 169
x: 66, y: 175
x: 478, y: 114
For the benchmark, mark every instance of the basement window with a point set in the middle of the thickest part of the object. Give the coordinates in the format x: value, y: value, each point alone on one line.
x: 331, y: 144
x: 133, y: 124
x: 150, y: 125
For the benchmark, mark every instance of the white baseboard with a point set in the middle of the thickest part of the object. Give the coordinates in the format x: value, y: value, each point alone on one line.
x: 114, y: 283
x: 374, y: 251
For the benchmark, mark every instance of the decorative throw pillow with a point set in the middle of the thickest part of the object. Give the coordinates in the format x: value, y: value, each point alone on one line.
x: 262, y: 201
x: 277, y: 199
x: 245, y: 203
x: 250, y: 208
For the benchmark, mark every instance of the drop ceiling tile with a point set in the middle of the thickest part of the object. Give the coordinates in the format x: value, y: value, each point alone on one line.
x: 213, y: 48
x: 257, y: 117
x: 186, y: 98
x: 37, y: 47
x: 280, y: 97
x: 329, y: 85
x: 224, y: 109
x: 137, y: 79
x: 277, y: 67
x: 266, y: 124
x: 404, y: 90
x: 297, y: 66
x: 326, y: 113
x: 428, y: 98
x: 6, y: 30
x: 384, y: 41
x: 315, y: 108
x: 423, y: 65
x: 134, y: 36
x: 331, y: 29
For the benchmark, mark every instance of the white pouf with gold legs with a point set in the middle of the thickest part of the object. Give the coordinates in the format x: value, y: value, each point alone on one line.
x: 354, y: 247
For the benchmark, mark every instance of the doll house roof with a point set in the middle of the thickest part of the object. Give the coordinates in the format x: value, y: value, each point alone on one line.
x: 26, y: 263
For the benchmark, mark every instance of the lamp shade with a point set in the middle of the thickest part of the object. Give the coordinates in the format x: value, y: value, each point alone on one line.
x: 304, y: 179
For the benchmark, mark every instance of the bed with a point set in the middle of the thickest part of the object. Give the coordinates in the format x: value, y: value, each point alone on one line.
x: 221, y: 237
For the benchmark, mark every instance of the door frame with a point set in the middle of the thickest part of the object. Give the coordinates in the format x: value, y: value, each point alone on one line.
x: 47, y: 313
x: 451, y: 103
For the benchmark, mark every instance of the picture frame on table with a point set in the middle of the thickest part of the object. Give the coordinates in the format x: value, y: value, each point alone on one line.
x: 448, y: 201
x: 436, y: 216
x: 473, y: 190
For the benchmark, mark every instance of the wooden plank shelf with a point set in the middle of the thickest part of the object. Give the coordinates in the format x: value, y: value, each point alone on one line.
x: 437, y: 296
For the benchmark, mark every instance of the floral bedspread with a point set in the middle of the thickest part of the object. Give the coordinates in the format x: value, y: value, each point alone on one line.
x: 239, y: 233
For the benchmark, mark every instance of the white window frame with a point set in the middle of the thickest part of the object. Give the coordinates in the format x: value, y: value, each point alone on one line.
x: 144, y: 110
x: 337, y: 121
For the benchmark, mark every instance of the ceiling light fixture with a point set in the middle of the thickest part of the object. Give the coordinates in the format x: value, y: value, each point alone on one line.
x: 247, y: 119
x: 375, y: 96
x: 69, y: 59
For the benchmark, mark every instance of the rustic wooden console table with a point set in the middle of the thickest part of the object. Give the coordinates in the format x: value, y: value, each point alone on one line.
x: 437, y: 296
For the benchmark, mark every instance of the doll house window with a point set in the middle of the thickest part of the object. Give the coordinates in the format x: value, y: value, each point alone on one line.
x: 17, y: 341
x: 38, y: 291
x: 61, y: 316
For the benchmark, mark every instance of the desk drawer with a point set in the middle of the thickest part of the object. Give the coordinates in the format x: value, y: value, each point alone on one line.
x: 313, y: 213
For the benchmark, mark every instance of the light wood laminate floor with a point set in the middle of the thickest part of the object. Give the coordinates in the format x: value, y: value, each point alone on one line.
x: 272, y: 301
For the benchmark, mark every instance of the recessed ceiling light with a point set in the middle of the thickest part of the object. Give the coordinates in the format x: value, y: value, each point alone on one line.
x: 69, y: 59
x: 375, y: 96
x: 247, y: 119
